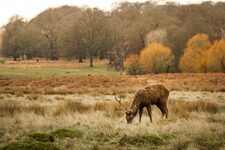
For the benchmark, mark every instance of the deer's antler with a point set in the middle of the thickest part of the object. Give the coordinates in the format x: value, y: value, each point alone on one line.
x: 119, y: 101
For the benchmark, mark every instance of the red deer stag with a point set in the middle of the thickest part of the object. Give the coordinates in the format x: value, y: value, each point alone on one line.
x: 152, y: 95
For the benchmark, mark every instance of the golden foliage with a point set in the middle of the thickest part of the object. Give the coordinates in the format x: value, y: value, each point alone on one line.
x: 214, y: 59
x: 133, y: 65
x: 157, y: 58
x: 192, y: 61
x: 133, y: 59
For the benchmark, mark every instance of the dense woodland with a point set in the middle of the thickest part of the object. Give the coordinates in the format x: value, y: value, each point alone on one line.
x: 71, y: 32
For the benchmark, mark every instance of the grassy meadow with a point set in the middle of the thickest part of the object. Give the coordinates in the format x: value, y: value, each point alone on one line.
x: 66, y: 105
x: 51, y: 68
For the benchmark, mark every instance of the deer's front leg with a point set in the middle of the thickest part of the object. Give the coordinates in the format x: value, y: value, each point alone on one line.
x: 149, y: 112
x: 140, y: 113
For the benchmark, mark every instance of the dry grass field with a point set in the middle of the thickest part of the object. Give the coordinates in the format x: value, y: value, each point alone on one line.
x: 78, y: 111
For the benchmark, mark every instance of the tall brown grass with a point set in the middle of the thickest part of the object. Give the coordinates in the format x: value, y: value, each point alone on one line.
x: 70, y: 106
x: 96, y: 85
x: 182, y: 108
x: 102, y: 115
x: 10, y: 108
x: 177, y: 108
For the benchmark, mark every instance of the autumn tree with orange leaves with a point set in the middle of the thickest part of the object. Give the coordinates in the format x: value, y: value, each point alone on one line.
x: 157, y: 58
x: 214, y: 58
x: 192, y: 59
x: 133, y: 66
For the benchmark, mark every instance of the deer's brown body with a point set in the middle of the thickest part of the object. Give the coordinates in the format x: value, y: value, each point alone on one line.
x: 152, y: 95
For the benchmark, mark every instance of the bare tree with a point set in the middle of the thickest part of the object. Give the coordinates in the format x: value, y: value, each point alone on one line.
x: 118, y: 56
x: 10, y: 46
x: 92, y: 25
x: 49, y: 31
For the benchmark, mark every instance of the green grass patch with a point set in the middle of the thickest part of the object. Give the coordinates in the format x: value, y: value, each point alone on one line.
x: 140, y: 140
x: 167, y: 136
x: 186, y: 144
x: 43, y: 140
x: 221, y: 109
x: 7, y: 73
x: 31, y: 146
x: 42, y: 137
x: 63, y: 133
x: 210, y: 141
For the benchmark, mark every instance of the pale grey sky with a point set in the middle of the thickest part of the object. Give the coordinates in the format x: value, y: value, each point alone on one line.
x: 30, y: 8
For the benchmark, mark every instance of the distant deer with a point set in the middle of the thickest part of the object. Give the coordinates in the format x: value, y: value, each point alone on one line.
x: 152, y: 95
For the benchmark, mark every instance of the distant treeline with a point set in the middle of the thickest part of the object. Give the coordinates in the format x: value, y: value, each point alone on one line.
x: 74, y: 32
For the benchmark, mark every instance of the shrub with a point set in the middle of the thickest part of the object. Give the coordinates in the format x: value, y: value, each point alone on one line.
x: 192, y: 59
x: 133, y: 65
x: 62, y: 133
x: 215, y: 57
x: 42, y: 137
x: 157, y: 58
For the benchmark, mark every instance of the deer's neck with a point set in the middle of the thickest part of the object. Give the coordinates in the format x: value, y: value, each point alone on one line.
x: 135, y: 107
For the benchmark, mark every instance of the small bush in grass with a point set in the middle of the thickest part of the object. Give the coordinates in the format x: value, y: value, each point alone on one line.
x: 133, y: 65
x: 42, y: 137
x: 63, y: 133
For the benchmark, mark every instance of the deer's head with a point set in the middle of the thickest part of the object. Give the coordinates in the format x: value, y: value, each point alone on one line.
x: 129, y: 113
x: 129, y: 116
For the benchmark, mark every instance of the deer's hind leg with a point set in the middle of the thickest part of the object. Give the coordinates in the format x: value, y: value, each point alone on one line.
x: 163, y: 108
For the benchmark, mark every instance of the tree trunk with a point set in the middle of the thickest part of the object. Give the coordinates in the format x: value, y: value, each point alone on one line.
x: 91, y: 60
x: 22, y: 56
x: 80, y: 60
x: 223, y: 65
x: 80, y: 57
x: 53, y: 53
x: 101, y: 55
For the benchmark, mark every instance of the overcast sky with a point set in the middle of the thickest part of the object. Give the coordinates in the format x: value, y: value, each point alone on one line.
x: 30, y: 8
